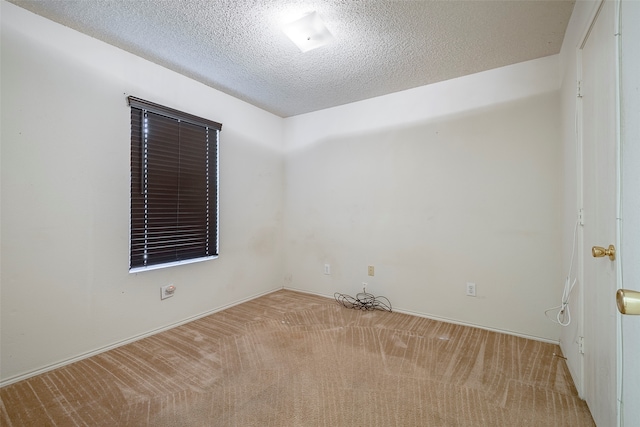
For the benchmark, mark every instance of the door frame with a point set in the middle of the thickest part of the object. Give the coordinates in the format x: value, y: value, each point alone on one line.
x: 630, y: 135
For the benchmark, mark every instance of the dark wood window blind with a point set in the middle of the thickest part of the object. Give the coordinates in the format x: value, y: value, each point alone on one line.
x: 174, y: 186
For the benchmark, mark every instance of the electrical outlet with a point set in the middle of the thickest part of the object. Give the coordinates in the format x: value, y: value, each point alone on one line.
x: 471, y: 289
x: 370, y: 270
x: 364, y: 287
x: 167, y: 291
x: 327, y: 269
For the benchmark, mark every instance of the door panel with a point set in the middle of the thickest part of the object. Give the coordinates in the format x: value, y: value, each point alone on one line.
x: 600, y: 212
x: 630, y: 135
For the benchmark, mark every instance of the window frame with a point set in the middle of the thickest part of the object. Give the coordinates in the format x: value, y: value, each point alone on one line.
x: 209, y: 246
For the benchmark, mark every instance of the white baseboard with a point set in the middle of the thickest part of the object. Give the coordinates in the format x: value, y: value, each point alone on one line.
x: 44, y: 369
x: 445, y: 319
x: 47, y: 368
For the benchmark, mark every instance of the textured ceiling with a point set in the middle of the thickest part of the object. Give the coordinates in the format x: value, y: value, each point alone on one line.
x: 379, y: 47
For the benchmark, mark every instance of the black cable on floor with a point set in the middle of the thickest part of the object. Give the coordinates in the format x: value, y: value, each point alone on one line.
x: 363, y: 301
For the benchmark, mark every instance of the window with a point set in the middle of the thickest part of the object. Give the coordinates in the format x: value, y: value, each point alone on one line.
x: 174, y: 187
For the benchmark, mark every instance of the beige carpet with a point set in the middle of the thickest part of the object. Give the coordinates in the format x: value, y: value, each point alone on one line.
x: 291, y: 359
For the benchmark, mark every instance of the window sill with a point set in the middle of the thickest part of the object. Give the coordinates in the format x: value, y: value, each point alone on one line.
x: 170, y: 264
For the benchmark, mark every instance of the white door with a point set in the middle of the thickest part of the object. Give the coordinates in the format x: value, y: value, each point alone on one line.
x: 630, y: 117
x: 598, y: 90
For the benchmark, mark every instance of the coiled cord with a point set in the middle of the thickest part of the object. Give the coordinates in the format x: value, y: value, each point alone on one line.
x: 363, y: 301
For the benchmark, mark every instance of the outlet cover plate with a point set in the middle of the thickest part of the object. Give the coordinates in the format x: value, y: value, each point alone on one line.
x: 471, y: 289
x: 167, y: 291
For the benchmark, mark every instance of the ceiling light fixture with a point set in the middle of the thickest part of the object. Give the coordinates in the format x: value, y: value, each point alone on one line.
x: 308, y: 32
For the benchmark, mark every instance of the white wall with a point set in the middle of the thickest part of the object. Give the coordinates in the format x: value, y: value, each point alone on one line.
x: 437, y: 186
x: 65, y: 286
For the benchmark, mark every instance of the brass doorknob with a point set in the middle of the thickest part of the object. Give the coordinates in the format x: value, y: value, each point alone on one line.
x: 598, y: 251
x: 628, y: 301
